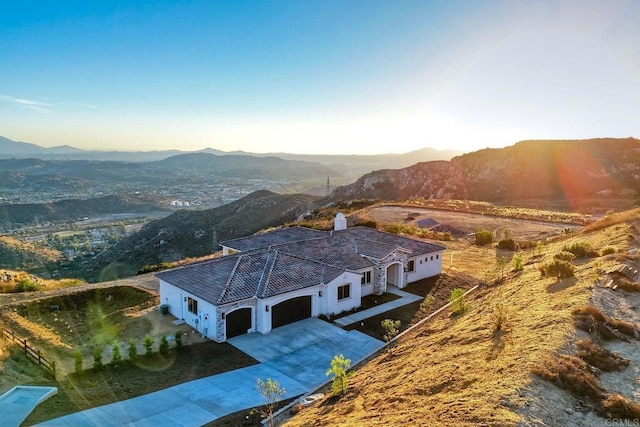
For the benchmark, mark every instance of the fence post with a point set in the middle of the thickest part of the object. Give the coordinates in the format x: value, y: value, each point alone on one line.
x: 53, y: 368
x: 25, y: 347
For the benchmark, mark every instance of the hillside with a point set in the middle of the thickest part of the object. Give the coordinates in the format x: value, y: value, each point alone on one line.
x: 73, y: 209
x: 194, y: 233
x: 462, y: 370
x: 16, y: 254
x: 564, y: 171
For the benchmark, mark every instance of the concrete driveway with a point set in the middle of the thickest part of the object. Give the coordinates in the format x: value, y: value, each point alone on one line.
x: 296, y: 355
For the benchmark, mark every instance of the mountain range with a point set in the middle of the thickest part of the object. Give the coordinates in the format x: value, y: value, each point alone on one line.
x: 348, y: 165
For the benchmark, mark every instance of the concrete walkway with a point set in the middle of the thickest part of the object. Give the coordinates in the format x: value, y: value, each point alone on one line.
x: 405, y: 298
x: 295, y: 355
x: 17, y: 403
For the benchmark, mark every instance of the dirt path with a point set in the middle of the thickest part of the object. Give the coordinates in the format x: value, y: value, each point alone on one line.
x: 522, y: 229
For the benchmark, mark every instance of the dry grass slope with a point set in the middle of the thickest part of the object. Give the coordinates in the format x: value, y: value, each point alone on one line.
x: 459, y: 370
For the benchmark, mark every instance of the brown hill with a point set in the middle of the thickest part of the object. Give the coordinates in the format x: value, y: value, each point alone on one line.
x: 16, y: 254
x: 552, y: 170
x: 461, y: 370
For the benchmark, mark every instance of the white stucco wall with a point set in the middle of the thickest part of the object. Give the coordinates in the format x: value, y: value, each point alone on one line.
x: 428, y: 265
x: 333, y: 306
x: 203, y: 321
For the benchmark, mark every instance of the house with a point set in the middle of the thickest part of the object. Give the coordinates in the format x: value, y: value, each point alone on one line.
x: 271, y: 279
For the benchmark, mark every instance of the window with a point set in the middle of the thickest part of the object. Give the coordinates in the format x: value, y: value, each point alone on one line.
x: 366, y: 278
x: 431, y: 257
x: 411, y: 266
x: 344, y: 292
x: 192, y: 305
x: 426, y: 259
x: 437, y: 256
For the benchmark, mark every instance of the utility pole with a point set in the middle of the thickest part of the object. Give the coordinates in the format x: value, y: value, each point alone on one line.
x: 328, y: 186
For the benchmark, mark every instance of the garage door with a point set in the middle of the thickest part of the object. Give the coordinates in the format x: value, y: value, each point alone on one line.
x: 290, y: 311
x: 238, y: 322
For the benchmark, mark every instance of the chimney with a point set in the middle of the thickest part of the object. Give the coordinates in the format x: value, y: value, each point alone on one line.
x: 340, y: 222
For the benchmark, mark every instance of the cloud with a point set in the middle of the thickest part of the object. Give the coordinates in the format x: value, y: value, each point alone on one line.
x: 44, y: 107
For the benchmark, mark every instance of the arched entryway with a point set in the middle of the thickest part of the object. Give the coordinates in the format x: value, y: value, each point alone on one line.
x: 290, y: 311
x: 238, y: 322
x: 394, y: 275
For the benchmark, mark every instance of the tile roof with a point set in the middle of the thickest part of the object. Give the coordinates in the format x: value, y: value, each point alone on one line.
x: 272, y: 265
x: 282, y: 235
x: 257, y: 274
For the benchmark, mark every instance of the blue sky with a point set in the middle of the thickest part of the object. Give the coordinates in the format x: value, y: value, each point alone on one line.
x: 317, y: 76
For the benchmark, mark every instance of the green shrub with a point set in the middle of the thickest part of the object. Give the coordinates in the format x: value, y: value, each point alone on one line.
x: 391, y: 328
x: 426, y: 304
x: 117, y: 355
x: 97, y: 359
x: 133, y: 350
x: 565, y: 256
x: 178, y: 337
x: 458, y: 302
x: 155, y: 267
x: 507, y: 244
x: 164, y: 345
x: 579, y: 249
x: 608, y: 250
x: 26, y: 285
x: 558, y: 269
x: 78, y: 361
x: 148, y: 345
x: 484, y: 237
x: 518, y: 262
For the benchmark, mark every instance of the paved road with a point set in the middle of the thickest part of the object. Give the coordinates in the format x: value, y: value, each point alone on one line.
x: 295, y: 355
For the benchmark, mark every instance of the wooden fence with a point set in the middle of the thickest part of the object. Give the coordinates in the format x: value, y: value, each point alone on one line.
x: 46, y: 365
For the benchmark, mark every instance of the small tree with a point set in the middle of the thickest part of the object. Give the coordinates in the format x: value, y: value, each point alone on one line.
x: 458, y: 303
x: 339, y: 368
x: 178, y: 337
x: 97, y: 359
x: 391, y: 328
x: 164, y: 345
x: 148, y: 345
x: 518, y: 262
x: 78, y: 361
x: 272, y: 394
x: 133, y: 350
x: 117, y: 356
x: 501, y: 263
x: 539, y: 249
x: 499, y: 317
